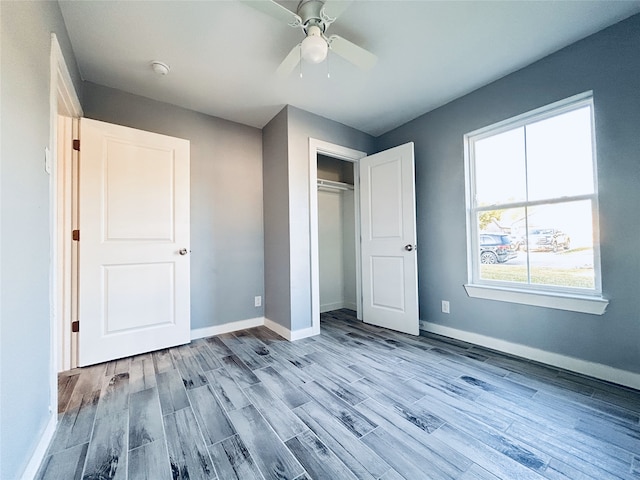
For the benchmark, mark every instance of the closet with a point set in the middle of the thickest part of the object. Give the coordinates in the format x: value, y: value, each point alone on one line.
x: 336, y: 234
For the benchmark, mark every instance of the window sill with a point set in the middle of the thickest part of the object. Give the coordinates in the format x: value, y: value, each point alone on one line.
x: 572, y: 303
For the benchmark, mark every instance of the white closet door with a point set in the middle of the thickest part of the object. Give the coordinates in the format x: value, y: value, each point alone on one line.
x: 389, y: 260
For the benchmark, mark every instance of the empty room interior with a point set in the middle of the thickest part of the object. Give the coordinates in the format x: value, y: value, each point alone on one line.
x: 320, y: 239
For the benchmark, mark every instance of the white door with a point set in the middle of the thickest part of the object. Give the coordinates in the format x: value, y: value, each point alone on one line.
x: 133, y: 291
x: 388, y: 230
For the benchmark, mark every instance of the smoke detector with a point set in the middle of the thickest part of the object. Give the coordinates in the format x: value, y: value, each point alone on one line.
x: 160, y: 68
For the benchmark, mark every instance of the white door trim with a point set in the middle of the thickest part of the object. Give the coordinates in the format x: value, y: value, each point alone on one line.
x: 350, y: 155
x: 63, y: 100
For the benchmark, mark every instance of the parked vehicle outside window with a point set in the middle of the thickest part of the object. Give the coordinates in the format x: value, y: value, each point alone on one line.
x: 544, y: 239
x: 496, y: 248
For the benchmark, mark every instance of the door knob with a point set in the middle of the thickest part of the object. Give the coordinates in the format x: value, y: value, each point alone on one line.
x: 409, y: 247
x: 183, y: 251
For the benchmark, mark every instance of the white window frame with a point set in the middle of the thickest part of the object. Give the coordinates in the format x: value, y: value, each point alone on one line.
x: 563, y: 298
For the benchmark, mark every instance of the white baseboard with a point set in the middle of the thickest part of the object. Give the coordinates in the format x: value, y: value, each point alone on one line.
x: 288, y: 334
x: 329, y: 307
x: 351, y: 306
x: 279, y: 329
x: 304, y: 333
x: 226, y: 328
x: 41, y: 449
x: 584, y: 367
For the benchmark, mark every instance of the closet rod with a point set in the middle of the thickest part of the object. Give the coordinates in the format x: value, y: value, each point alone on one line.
x: 330, y: 184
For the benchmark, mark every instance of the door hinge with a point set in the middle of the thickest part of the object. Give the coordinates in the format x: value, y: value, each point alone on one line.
x: 75, y: 235
x: 75, y: 326
x: 76, y: 144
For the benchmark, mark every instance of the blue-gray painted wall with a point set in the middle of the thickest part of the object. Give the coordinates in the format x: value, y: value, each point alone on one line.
x: 607, y: 63
x: 302, y: 126
x: 275, y: 174
x: 227, y: 253
x: 25, y: 330
x: 286, y: 190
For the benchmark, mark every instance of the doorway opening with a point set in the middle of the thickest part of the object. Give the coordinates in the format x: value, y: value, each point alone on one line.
x: 336, y: 234
x: 340, y: 164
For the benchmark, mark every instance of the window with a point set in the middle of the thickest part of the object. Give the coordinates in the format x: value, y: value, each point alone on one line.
x: 532, y: 206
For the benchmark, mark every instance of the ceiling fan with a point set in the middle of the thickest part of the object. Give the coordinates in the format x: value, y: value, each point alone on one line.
x: 314, y: 17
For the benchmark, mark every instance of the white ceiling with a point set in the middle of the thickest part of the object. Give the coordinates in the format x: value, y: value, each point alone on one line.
x: 223, y: 54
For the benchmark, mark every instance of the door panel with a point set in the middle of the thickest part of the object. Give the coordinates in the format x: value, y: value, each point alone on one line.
x: 389, y: 262
x: 387, y: 279
x: 138, y: 296
x: 386, y: 199
x: 134, y: 293
x: 125, y: 165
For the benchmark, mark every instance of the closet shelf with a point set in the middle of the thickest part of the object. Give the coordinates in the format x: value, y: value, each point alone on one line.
x: 333, y: 185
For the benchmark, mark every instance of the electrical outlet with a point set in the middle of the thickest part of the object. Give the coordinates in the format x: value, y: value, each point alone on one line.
x: 445, y: 306
x: 257, y: 301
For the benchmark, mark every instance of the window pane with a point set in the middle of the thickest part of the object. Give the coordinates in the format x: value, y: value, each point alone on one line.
x: 500, y: 168
x: 542, y: 165
x: 560, y: 245
x: 559, y: 156
x: 499, y: 258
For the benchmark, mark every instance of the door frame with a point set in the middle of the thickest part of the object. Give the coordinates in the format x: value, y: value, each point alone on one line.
x: 349, y: 155
x: 63, y: 100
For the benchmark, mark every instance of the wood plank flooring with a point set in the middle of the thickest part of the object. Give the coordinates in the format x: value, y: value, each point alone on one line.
x: 356, y: 402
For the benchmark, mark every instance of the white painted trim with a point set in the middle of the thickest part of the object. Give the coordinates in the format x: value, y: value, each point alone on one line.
x: 351, y: 306
x: 327, y: 307
x: 572, y: 303
x: 226, y: 328
x: 63, y: 100
x: 64, y: 227
x: 284, y: 332
x: 584, y: 367
x: 61, y: 93
x: 41, y: 449
x: 350, y: 155
x: 304, y: 333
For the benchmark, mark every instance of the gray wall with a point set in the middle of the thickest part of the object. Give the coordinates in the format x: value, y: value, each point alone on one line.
x: 286, y: 208
x: 302, y: 126
x: 25, y: 331
x: 277, y: 286
x: 226, y: 200
x: 607, y: 63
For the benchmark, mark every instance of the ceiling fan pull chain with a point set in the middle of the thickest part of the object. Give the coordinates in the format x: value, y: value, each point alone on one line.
x: 300, y: 62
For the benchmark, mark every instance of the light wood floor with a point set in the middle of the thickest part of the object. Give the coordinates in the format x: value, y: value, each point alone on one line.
x: 355, y: 402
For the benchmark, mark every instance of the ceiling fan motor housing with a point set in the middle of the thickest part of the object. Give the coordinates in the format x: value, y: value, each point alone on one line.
x: 310, y: 13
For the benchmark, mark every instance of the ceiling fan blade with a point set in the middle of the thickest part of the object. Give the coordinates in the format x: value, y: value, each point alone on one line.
x: 351, y: 52
x: 290, y: 62
x: 275, y: 10
x: 332, y: 9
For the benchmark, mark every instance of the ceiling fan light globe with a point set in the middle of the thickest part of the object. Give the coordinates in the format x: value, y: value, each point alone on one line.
x: 314, y: 49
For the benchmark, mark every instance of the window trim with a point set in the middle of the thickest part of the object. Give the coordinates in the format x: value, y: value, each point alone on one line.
x: 563, y: 298
x: 592, y: 304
